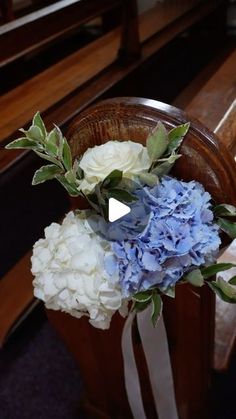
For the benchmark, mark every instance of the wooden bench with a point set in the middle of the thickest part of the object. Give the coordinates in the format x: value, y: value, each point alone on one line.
x: 66, y: 88
x: 190, y: 317
x: 215, y: 106
x: 167, y: 24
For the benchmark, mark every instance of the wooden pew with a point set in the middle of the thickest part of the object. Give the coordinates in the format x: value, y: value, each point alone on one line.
x: 69, y: 86
x: 190, y: 317
x: 165, y: 23
x: 215, y: 106
x: 41, y: 27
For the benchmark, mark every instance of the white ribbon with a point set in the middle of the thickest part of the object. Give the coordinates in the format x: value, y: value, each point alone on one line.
x: 132, y: 383
x: 155, y: 346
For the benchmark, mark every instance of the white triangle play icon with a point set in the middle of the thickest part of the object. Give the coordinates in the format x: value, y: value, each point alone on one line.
x: 116, y: 209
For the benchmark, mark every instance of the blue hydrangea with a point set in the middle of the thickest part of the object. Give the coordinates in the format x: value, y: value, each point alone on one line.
x: 180, y: 234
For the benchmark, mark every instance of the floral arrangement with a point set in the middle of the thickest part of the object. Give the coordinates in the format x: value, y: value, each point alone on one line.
x: 83, y: 273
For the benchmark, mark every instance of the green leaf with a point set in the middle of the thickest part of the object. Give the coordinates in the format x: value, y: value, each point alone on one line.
x: 50, y: 158
x: 37, y: 121
x: 171, y: 159
x: 225, y: 210
x: 232, y: 281
x: 162, y: 169
x: 218, y: 291
x: 225, y: 290
x: 70, y: 177
x: 113, y: 179
x: 140, y: 306
x: 195, y: 278
x: 216, y: 268
x: 34, y: 133
x: 121, y: 195
x: 67, y: 157
x: 228, y: 227
x: 228, y: 289
x: 142, y: 297
x: 52, y: 144
x: 60, y: 141
x: 149, y: 179
x: 71, y: 189
x: 23, y: 143
x: 170, y: 292
x: 157, y: 142
x: 45, y: 173
x: 156, y: 307
x: 176, y: 136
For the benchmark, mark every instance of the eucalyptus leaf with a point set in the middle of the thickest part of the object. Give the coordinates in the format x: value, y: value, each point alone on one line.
x: 176, y: 136
x: 45, y: 173
x: 216, y: 268
x: 121, y: 195
x: 142, y: 297
x: 157, y: 142
x: 71, y: 189
x: 227, y: 226
x: 156, y: 307
x: 67, y: 157
x: 225, y: 210
x: 195, y: 278
x: 24, y: 143
x: 37, y: 120
x: 113, y: 179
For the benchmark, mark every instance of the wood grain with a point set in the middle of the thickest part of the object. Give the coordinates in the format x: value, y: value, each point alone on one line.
x: 190, y: 317
x: 16, y: 295
x: 215, y: 106
x: 74, y: 79
x: 38, y: 28
x: 216, y: 96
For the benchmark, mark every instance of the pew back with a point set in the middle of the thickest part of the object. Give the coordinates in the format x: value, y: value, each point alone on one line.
x: 190, y: 317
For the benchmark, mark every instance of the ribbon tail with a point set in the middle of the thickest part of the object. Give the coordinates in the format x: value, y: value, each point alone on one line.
x: 155, y: 346
x: 132, y: 382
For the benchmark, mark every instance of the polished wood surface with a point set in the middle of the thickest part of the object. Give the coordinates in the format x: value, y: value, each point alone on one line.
x: 44, y: 25
x: 190, y: 317
x: 216, y: 96
x: 214, y: 105
x: 16, y: 295
x: 73, y: 104
x: 67, y: 80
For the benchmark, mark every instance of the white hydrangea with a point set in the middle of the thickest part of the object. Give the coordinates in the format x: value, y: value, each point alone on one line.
x: 98, y: 162
x: 68, y: 266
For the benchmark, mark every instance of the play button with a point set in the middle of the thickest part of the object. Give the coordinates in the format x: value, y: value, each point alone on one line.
x: 116, y: 210
x: 120, y: 218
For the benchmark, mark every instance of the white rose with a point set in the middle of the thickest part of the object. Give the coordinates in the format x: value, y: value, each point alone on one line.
x: 70, y: 275
x: 98, y: 162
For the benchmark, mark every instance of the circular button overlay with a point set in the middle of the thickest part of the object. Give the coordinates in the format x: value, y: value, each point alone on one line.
x: 125, y: 212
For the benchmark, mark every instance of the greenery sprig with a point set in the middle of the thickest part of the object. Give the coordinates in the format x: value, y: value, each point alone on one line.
x: 162, y: 147
x: 53, y: 147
